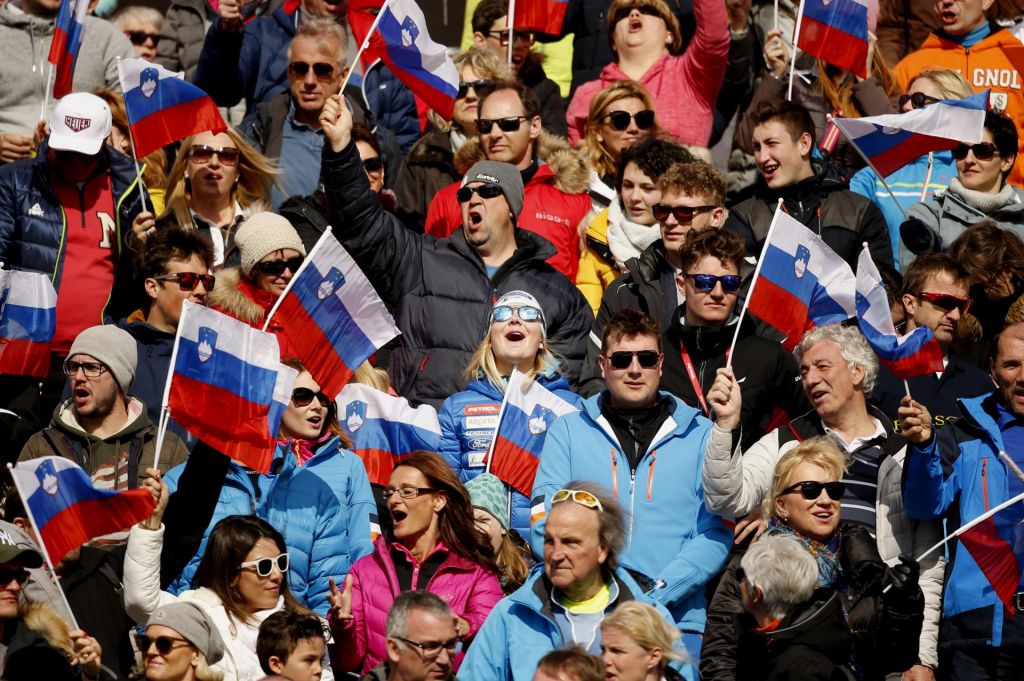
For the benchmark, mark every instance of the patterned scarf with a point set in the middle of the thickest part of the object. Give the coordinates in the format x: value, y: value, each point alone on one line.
x: 826, y: 555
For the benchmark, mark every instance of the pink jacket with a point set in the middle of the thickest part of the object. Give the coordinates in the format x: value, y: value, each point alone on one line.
x: 470, y: 591
x: 684, y: 88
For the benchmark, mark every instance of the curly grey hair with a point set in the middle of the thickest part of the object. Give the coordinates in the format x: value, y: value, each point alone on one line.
x: 852, y: 345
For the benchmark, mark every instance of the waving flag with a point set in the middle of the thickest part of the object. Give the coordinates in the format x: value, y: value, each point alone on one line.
x: 67, y: 40
x: 401, y: 41
x: 996, y: 543
x: 163, y: 107
x: 835, y: 31
x: 333, y: 317
x: 384, y: 428
x: 802, y: 282
x: 522, y: 426
x: 892, y: 141
x: 28, y: 318
x: 67, y: 511
x: 543, y: 16
x: 228, y: 386
x: 916, y: 354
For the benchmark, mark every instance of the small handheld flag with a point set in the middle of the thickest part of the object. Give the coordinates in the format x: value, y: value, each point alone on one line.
x: 997, y: 545
x: 28, y: 318
x: 835, y: 31
x: 543, y: 16
x: 67, y: 41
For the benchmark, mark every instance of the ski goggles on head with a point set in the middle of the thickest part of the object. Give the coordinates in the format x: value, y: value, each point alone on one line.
x: 580, y: 496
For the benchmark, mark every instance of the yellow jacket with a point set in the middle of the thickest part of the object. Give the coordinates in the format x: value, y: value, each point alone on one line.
x: 596, y: 271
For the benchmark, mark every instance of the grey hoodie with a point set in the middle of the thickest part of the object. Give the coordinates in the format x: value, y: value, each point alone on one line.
x: 24, y: 46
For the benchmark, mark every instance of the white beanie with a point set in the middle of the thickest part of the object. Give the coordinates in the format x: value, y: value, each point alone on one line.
x: 112, y: 346
x: 262, y: 234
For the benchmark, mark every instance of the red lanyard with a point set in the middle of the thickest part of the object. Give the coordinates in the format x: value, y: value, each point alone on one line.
x: 692, y: 373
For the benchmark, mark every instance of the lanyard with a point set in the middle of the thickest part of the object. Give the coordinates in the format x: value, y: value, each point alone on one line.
x: 692, y: 373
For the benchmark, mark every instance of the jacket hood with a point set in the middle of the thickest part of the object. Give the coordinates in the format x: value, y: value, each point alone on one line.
x: 978, y: 418
x: 707, y: 341
x: 826, y: 178
x: 817, y: 623
x: 14, y: 17
x: 146, y: 334
x: 64, y: 420
x: 236, y: 296
x: 569, y: 168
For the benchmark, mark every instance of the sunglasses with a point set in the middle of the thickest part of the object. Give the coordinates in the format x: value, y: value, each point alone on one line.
x: 275, y: 268
x: 264, y: 566
x: 619, y: 120
x: 707, y: 282
x: 581, y: 497
x: 486, y: 191
x: 374, y: 164
x: 8, y: 575
x: 918, y: 100
x: 945, y: 301
x: 507, y: 124
x: 189, y: 280
x: 624, y: 12
x: 682, y: 214
x: 203, y: 153
x: 502, y: 36
x: 322, y: 70
x: 811, y: 490
x: 623, y: 359
x: 303, y: 396
x: 164, y: 644
x: 526, y: 313
x: 140, y: 37
x: 983, y: 151
x: 480, y: 87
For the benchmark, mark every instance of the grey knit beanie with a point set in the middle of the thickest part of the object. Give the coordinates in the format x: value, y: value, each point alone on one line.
x: 505, y: 176
x: 192, y: 622
x: 262, y: 234
x: 112, y: 346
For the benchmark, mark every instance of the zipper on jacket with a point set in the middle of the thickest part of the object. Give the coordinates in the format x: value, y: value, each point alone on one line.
x: 615, y: 475
x: 984, y: 480
x: 650, y: 473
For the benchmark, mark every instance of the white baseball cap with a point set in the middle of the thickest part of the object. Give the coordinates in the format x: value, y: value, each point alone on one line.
x: 80, y: 122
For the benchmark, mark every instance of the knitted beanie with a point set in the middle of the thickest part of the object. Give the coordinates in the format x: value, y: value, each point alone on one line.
x: 262, y: 234
x: 192, y: 622
x: 505, y: 177
x: 112, y: 346
x: 488, y: 492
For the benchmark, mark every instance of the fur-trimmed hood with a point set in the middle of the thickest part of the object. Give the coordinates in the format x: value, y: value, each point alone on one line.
x: 570, y: 167
x: 235, y: 297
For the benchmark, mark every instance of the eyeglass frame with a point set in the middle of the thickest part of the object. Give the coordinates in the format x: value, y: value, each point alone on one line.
x: 389, y: 492
x: 208, y: 280
x: 144, y: 642
x: 527, y: 36
x: 275, y: 562
x: 451, y: 646
x: 70, y: 370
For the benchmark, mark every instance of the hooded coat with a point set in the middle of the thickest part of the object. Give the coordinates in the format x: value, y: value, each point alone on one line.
x: 236, y: 296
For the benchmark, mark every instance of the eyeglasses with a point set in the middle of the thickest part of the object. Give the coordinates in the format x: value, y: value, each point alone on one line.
x: 486, y: 191
x: 275, y: 268
x: 643, y: 9
x: 682, y: 214
x: 164, y: 644
x: 502, y: 36
x: 619, y: 120
x: 374, y: 164
x: 90, y: 369
x: 983, y: 151
x: 811, y: 490
x: 303, y: 396
x: 189, y: 280
x: 432, y: 649
x: 623, y: 359
x: 945, y: 301
x: 507, y: 124
x: 526, y: 313
x: 406, y: 492
x: 203, y: 153
x: 264, y: 566
x: 707, y: 282
x: 480, y: 86
x: 140, y: 37
x: 580, y: 496
x: 918, y: 100
x: 8, y: 575
x: 323, y: 71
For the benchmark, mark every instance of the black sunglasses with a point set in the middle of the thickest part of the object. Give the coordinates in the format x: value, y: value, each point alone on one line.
x: 486, y: 191
x: 187, y: 281
x: 164, y: 644
x: 682, y: 214
x: 918, y: 100
x: 507, y: 124
x: 275, y: 268
x: 624, y: 12
x: 619, y: 120
x: 480, y: 86
x: 303, y: 396
x: 7, y: 575
x: 707, y: 282
x: 945, y: 301
x: 983, y: 151
x: 203, y: 153
x: 140, y: 37
x: 811, y: 490
x: 374, y: 164
x: 322, y: 70
x: 623, y: 358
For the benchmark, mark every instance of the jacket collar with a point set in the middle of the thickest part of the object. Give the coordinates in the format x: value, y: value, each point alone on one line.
x: 810, y: 425
x: 681, y: 417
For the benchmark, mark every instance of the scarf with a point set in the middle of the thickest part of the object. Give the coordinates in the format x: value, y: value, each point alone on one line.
x: 982, y: 201
x: 628, y: 239
x: 826, y: 555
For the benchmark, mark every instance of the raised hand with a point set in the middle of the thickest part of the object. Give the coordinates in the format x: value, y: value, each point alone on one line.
x: 725, y: 400
x: 336, y: 121
x: 86, y: 651
x: 776, y: 54
x: 915, y: 421
x: 158, y: 488
x: 341, y: 601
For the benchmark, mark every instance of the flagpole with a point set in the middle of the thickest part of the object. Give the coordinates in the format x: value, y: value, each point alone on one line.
x: 501, y: 413
x: 164, y: 409
x: 295, y: 275
x: 131, y: 139
x: 753, y: 280
x: 42, y: 546
x: 871, y: 165
x: 46, y: 93
x: 796, y: 38
x: 362, y: 48
x: 510, y: 23
x: 776, y: 15
x: 983, y: 517
x: 927, y: 176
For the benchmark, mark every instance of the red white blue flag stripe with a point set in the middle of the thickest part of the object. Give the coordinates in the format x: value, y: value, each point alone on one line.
x: 996, y: 545
x: 28, y: 318
x: 163, y: 107
x: 837, y: 32
x: 67, y: 511
x: 916, y: 354
x: 802, y: 282
x: 67, y: 41
x: 333, y: 316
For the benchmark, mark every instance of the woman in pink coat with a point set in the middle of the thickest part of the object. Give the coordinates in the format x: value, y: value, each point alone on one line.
x: 434, y: 546
x: 647, y: 42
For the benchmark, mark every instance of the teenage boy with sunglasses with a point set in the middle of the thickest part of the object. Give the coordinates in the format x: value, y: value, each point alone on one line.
x: 645, y: 446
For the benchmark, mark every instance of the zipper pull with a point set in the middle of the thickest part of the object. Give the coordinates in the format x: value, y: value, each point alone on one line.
x: 632, y: 480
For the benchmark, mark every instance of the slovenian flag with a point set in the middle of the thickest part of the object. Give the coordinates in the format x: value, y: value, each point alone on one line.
x: 163, y: 107
x: 802, y: 283
x: 995, y: 541
x: 228, y: 386
x: 916, y: 354
x: 67, y: 511
x: 28, y: 318
x: 543, y: 16
x: 333, y: 316
x: 401, y: 41
x: 67, y: 40
x: 523, y: 424
x: 892, y: 141
x: 384, y: 428
x: 835, y: 31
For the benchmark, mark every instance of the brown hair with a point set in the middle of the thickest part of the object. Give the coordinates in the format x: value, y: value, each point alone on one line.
x: 837, y: 85
x: 795, y: 118
x: 927, y: 265
x: 627, y: 323
x: 573, y: 663
x: 694, y: 179
x: 667, y: 15
x: 599, y: 157
x: 985, y: 249
x: 331, y: 422
x: 155, y: 173
x: 719, y: 243
x: 512, y: 562
x: 531, y: 105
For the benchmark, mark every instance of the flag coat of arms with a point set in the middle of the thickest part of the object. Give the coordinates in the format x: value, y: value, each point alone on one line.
x: 28, y: 318
x: 67, y: 41
x: 228, y: 386
x: 67, y: 511
x: 384, y: 428
x: 837, y: 32
x: 522, y: 426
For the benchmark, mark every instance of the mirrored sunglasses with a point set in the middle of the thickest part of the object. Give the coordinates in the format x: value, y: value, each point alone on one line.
x: 526, y: 313
x: 946, y: 301
x: 580, y: 496
x: 707, y: 282
x: 187, y: 281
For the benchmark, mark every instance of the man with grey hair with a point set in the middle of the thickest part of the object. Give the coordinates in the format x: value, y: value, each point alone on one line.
x: 838, y: 370
x: 422, y: 640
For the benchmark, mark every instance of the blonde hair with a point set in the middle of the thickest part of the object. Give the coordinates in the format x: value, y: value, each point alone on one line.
x: 822, y: 451
x: 600, y: 159
x: 483, y: 364
x: 367, y: 374
x: 486, y: 64
x: 43, y: 619
x: 952, y: 83
x: 203, y: 670
x: 646, y: 627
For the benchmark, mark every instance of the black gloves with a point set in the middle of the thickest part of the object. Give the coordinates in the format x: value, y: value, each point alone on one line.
x: 902, y: 577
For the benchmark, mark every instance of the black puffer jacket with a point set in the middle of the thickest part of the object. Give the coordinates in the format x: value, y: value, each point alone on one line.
x: 440, y: 288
